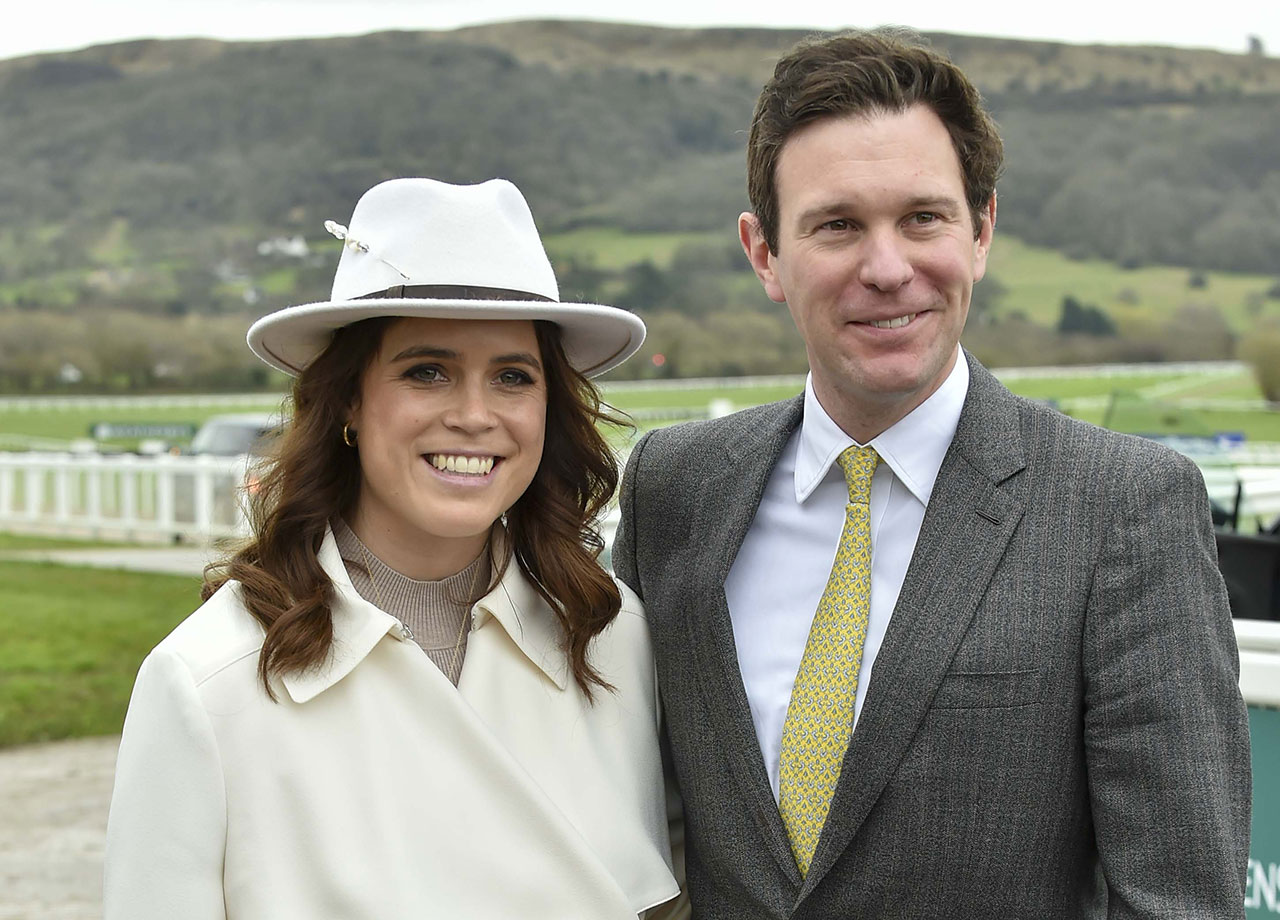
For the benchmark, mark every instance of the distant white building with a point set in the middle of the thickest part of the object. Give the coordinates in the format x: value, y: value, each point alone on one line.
x: 293, y: 247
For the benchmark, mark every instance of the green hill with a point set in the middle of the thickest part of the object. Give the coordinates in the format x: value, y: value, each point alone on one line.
x: 149, y: 186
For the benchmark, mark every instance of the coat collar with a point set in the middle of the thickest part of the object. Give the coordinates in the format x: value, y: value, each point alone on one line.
x: 358, y: 626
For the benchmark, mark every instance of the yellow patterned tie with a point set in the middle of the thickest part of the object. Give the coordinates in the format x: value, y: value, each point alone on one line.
x: 819, y: 719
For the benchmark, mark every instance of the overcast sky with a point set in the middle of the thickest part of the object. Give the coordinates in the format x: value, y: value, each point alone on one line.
x: 51, y: 25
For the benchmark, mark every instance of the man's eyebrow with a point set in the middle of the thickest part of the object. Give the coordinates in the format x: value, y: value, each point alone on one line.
x: 829, y: 210
x: 933, y: 203
x: 835, y: 209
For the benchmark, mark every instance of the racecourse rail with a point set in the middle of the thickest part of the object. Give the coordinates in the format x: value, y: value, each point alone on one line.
x: 199, y: 498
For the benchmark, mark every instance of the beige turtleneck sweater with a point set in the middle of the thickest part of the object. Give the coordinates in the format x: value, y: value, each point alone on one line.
x: 436, y: 612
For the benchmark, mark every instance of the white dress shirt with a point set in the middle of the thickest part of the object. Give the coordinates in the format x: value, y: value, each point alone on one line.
x: 778, y: 577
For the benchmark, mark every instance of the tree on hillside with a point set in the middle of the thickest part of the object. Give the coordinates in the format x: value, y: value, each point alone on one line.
x: 987, y: 294
x: 1078, y: 317
x: 1262, y: 350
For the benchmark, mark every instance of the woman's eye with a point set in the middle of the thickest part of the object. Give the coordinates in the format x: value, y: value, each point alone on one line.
x: 513, y: 378
x: 428, y: 373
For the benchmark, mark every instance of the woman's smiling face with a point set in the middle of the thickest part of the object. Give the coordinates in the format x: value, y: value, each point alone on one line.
x: 450, y: 426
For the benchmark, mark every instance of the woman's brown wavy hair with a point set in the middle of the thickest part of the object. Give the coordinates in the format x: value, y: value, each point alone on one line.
x: 315, y: 476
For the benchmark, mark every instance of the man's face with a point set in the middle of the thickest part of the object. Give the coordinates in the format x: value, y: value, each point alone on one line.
x: 876, y: 259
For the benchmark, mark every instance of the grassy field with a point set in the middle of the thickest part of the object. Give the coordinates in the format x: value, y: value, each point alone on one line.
x: 73, y: 640
x: 1037, y: 279
x: 740, y: 397
x: 70, y: 424
x: 610, y: 248
x: 10, y: 542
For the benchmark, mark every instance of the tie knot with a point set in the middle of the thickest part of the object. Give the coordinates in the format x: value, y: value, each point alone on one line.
x: 858, y: 463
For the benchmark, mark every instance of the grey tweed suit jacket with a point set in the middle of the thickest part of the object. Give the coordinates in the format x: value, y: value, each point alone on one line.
x: 1053, y: 727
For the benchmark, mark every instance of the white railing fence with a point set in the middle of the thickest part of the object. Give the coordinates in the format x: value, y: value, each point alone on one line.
x: 201, y: 498
x: 126, y: 496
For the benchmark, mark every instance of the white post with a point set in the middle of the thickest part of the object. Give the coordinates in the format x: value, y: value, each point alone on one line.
x: 33, y: 482
x: 242, y: 482
x: 129, y: 515
x: 93, y: 493
x: 6, y: 490
x: 61, y: 470
x: 204, y: 498
x: 164, y: 499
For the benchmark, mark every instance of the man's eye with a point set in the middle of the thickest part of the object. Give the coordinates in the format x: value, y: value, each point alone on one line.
x: 839, y: 224
x: 923, y: 217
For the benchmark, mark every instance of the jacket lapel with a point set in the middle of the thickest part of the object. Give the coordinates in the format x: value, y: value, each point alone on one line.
x: 733, y: 491
x: 976, y: 504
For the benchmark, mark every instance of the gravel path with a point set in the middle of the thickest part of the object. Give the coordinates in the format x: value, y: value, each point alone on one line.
x: 54, y: 797
x: 53, y: 817
x: 184, y: 560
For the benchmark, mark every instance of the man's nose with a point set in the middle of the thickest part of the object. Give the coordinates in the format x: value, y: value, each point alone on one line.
x: 885, y: 263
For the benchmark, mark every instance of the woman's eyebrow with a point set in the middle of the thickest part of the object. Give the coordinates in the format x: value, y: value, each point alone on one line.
x: 425, y: 351
x: 435, y: 351
x: 518, y: 357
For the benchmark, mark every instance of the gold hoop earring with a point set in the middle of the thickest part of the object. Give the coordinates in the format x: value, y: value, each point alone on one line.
x: 348, y: 436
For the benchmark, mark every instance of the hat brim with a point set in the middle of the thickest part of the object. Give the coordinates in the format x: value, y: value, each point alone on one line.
x: 596, y: 338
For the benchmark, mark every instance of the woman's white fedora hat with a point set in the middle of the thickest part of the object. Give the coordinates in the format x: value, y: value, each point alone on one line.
x: 419, y: 247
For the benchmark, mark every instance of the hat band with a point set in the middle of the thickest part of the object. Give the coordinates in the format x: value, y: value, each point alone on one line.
x: 452, y: 292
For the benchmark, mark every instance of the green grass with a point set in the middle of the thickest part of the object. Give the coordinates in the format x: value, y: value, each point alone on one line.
x: 610, y: 248
x: 114, y: 247
x: 69, y: 424
x: 12, y: 542
x: 628, y: 400
x: 1169, y: 418
x: 282, y: 282
x: 1072, y: 387
x: 1038, y: 279
x: 73, y: 640
x: 1243, y: 386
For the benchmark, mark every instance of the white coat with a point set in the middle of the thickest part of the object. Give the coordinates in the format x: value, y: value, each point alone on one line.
x: 374, y: 789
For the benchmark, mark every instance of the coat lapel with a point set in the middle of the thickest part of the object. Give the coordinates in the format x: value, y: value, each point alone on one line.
x: 733, y: 493
x: 976, y: 504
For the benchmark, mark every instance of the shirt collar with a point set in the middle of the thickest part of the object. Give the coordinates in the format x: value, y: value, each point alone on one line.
x: 913, y: 447
x: 358, y: 626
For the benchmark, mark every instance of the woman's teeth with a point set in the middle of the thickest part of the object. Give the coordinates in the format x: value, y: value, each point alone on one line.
x: 895, y: 323
x: 453, y: 463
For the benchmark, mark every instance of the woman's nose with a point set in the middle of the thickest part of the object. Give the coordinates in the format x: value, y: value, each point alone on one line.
x: 470, y: 409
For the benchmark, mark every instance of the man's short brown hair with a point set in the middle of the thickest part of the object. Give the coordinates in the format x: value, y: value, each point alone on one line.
x: 863, y: 73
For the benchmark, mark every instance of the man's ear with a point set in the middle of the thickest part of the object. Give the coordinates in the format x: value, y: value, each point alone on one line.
x: 982, y: 242
x: 760, y: 256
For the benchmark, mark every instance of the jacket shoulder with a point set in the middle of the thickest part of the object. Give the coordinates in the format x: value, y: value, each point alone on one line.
x: 734, y: 432
x: 632, y: 606
x: 220, y: 633
x: 1066, y: 437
